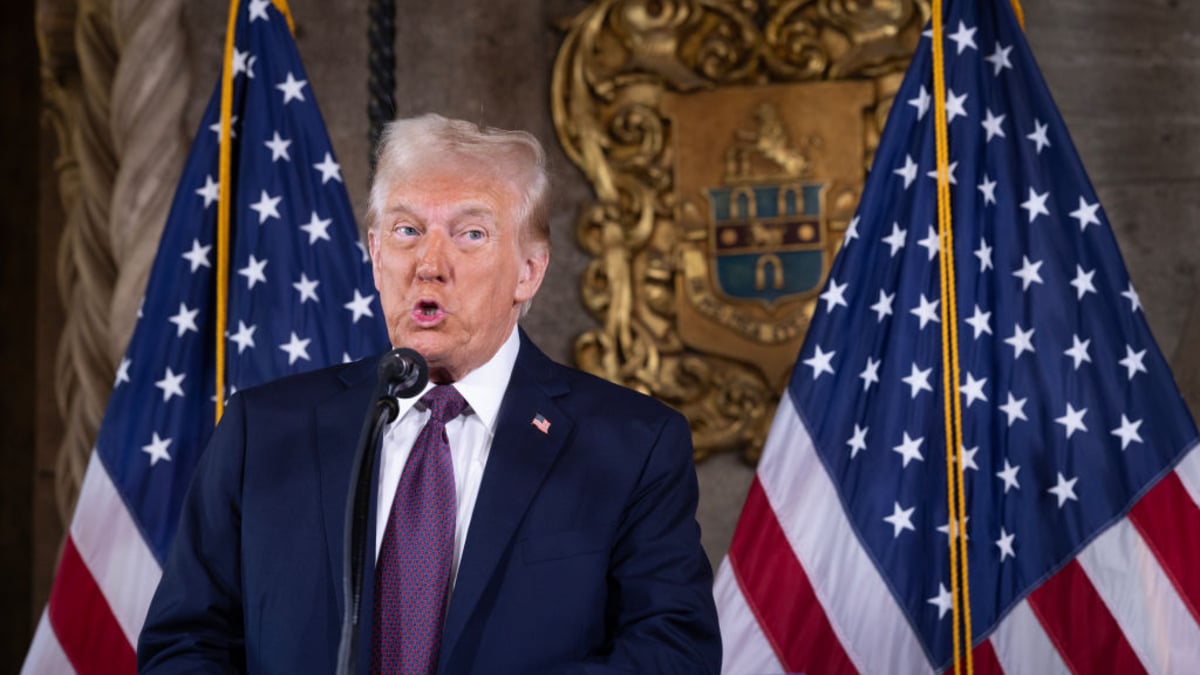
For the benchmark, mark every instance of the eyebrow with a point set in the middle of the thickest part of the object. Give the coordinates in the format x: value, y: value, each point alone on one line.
x: 467, y: 209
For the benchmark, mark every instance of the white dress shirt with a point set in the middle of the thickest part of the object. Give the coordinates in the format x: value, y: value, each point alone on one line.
x: 470, y: 435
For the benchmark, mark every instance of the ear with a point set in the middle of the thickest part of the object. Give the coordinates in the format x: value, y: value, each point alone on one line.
x: 533, y: 270
x: 373, y: 248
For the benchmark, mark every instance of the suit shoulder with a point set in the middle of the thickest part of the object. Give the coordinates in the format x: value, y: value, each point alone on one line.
x: 309, y: 387
x: 600, y: 396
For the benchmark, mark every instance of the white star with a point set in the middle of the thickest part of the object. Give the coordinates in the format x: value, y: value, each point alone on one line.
x: 215, y: 127
x: 968, y: 455
x: 1064, y: 489
x: 1135, y: 303
x: 910, y: 449
x: 346, y: 357
x: 1072, y: 420
x: 896, y: 238
x: 918, y: 380
x: 1133, y: 361
x: 927, y: 311
x: 317, y: 228
x: 185, y: 320
x: 1083, y: 282
x: 296, y: 348
x: 266, y: 207
x: 820, y: 362
x: 122, y: 372
x: 360, y: 305
x: 973, y: 389
x: 307, y: 288
x: 921, y: 102
x: 1009, y: 476
x: 279, y: 148
x: 243, y: 62
x: 1128, y: 431
x: 253, y: 271
x: 909, y: 171
x: 157, y: 449
x: 964, y: 37
x: 330, y: 170
x: 258, y: 10
x: 244, y: 337
x: 363, y: 249
x: 1005, y: 542
x: 1028, y: 273
x: 1086, y: 214
x: 834, y: 295
x: 1015, y: 409
x: 991, y: 124
x: 1039, y: 136
x: 942, y: 600
x: 211, y: 191
x: 1079, y: 351
x: 291, y: 88
x: 857, y: 442
x: 171, y: 384
x: 980, y: 322
x: 900, y: 520
x: 1036, y: 204
x: 1021, y: 341
x: 984, y: 253
x: 851, y: 231
x: 883, y: 306
x: 932, y: 243
x: 999, y: 59
x: 988, y: 189
x: 945, y: 529
x: 870, y: 374
x: 954, y: 106
x: 949, y: 172
x: 198, y: 256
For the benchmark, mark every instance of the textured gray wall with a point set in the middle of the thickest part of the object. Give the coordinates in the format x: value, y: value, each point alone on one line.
x: 1124, y: 74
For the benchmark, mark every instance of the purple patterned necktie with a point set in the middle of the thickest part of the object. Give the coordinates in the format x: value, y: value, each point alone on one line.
x: 413, y: 571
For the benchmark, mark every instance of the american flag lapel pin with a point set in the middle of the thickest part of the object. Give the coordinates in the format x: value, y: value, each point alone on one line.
x: 542, y: 424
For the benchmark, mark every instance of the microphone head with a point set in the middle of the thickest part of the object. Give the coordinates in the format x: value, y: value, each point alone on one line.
x: 403, y: 372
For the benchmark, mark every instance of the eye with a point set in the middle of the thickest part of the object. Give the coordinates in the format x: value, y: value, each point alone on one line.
x: 405, y: 230
x: 474, y: 235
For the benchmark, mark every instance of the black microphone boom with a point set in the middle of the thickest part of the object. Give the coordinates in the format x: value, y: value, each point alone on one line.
x: 402, y: 373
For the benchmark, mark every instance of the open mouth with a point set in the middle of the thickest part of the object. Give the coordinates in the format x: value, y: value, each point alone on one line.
x: 427, y: 312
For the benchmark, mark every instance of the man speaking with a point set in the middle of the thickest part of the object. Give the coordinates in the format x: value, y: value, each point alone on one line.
x: 529, y: 518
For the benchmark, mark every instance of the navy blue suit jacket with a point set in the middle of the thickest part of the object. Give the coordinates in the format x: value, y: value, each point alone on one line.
x: 583, y: 554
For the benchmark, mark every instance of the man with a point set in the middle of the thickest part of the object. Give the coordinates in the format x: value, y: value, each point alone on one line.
x: 529, y: 518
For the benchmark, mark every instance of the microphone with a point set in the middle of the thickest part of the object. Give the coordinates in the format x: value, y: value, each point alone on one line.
x: 402, y: 373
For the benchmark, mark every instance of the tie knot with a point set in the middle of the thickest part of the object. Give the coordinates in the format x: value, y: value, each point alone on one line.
x: 444, y: 402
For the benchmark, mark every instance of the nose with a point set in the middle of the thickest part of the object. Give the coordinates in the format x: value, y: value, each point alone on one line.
x: 432, y: 263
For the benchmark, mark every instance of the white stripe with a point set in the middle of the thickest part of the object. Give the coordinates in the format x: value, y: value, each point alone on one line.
x: 746, y: 649
x: 46, y: 656
x: 113, y: 550
x: 1189, y: 473
x: 874, y: 632
x: 1158, y: 626
x: 1022, y: 646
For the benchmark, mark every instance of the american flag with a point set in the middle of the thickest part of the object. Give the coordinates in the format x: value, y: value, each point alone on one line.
x: 1080, y: 476
x: 301, y: 296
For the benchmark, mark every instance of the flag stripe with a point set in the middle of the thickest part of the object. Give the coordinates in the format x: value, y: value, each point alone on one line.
x: 116, y: 554
x: 1080, y: 625
x: 778, y: 592
x: 1189, y: 474
x: 87, y: 631
x: 983, y: 658
x: 1160, y: 517
x: 45, y: 654
x: 746, y: 647
x: 858, y: 604
x: 1022, y: 646
x: 1152, y: 616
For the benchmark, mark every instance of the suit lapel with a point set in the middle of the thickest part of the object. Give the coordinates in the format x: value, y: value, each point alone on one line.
x: 337, y: 421
x: 520, y: 458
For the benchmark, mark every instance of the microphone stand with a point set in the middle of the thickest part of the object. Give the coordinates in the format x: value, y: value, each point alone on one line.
x: 402, y: 374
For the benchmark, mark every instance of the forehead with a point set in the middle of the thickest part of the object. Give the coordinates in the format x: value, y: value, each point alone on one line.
x: 453, y: 190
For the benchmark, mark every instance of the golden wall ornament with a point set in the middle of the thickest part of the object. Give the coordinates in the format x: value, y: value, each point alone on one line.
x: 727, y: 143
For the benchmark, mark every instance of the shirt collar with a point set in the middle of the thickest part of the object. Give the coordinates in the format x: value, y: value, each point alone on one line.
x: 484, y: 387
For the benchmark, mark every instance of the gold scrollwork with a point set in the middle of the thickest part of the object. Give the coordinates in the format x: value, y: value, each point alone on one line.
x: 618, y: 61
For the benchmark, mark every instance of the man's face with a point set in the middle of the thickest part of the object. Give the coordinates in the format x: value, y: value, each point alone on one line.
x: 450, y: 268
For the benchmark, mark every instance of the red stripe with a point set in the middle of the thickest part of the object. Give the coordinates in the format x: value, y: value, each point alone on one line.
x: 779, y: 593
x: 84, y: 623
x: 984, y: 660
x: 1161, y: 517
x: 1080, y: 625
